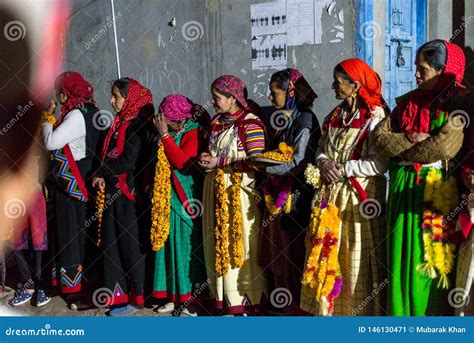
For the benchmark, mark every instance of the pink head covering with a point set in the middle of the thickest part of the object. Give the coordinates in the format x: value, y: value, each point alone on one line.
x: 176, y: 107
x: 234, y: 86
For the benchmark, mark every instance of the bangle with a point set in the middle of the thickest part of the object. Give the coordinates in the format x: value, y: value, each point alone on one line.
x: 165, y: 135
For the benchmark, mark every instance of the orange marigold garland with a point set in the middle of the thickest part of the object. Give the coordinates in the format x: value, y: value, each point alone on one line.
x: 322, y: 272
x: 222, y: 225
x: 47, y: 117
x: 284, y: 153
x: 237, y: 249
x: 161, y: 201
x: 99, y: 207
x: 440, y: 197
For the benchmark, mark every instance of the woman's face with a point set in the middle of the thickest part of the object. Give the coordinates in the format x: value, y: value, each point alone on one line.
x: 117, y: 100
x: 175, y: 125
x: 277, y: 96
x: 221, y: 103
x: 62, y: 98
x: 426, y: 76
x: 343, y: 87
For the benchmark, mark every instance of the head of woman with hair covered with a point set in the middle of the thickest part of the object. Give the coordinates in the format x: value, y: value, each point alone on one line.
x: 356, y: 80
x: 72, y: 90
x: 290, y: 90
x: 439, y: 65
x: 229, y: 94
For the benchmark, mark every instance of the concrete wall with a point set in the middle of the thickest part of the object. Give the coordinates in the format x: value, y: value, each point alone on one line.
x: 159, y: 55
x: 440, y: 13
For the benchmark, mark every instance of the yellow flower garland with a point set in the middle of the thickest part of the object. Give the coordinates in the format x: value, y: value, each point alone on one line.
x: 284, y: 153
x: 237, y: 250
x: 161, y: 201
x: 321, y: 272
x: 438, y: 253
x: 47, y: 117
x: 99, y: 206
x: 222, y: 225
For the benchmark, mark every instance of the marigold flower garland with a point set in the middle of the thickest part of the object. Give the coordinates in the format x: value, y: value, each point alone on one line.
x: 161, y: 201
x: 283, y: 199
x: 222, y: 225
x: 99, y: 206
x: 440, y: 198
x: 47, y: 117
x: 284, y: 153
x: 237, y: 249
x: 322, y: 272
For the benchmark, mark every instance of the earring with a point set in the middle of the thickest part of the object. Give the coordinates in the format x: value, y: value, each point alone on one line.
x: 354, y: 95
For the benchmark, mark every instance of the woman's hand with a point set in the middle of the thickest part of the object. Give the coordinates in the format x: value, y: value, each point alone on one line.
x: 160, y: 124
x: 330, y: 170
x: 98, y: 183
x: 52, y: 107
x: 420, y: 136
x: 206, y: 161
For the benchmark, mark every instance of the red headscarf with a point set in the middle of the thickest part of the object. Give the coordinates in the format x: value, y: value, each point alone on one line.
x: 76, y: 88
x: 138, y: 96
x: 371, y: 87
x: 414, y: 112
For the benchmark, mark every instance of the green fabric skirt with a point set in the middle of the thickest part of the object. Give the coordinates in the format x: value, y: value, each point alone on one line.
x: 410, y: 293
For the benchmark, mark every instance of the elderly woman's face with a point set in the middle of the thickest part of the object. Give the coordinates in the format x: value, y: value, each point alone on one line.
x: 343, y: 87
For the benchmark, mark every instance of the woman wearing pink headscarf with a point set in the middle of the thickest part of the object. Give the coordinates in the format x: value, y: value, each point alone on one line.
x: 232, y: 217
x: 177, y: 239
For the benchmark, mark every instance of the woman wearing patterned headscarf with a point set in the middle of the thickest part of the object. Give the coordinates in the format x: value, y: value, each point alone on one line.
x: 124, y: 157
x: 176, y: 234
x: 422, y: 134
x: 73, y: 140
x: 282, y: 234
x: 344, y: 257
x: 231, y: 215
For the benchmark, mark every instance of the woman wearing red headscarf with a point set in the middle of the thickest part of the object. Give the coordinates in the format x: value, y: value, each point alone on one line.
x: 73, y: 140
x: 177, y: 192
x: 125, y: 155
x: 420, y: 136
x: 344, y: 257
x: 231, y: 217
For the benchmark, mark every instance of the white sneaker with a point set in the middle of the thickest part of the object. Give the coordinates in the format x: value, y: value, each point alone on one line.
x: 186, y: 313
x: 166, y: 308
